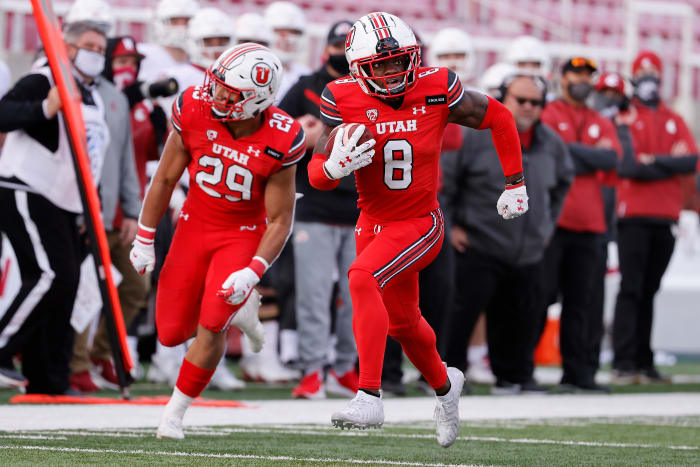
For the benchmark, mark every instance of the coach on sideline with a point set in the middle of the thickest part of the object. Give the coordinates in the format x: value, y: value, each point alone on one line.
x: 39, y: 211
x: 498, y: 263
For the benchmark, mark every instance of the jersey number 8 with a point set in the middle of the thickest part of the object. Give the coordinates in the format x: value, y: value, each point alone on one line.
x: 398, y: 164
x: 238, y: 178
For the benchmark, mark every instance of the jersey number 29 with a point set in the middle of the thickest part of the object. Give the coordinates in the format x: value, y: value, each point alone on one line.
x: 238, y: 178
x: 398, y: 164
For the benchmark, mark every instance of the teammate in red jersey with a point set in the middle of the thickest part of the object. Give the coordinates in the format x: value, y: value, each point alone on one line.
x: 241, y: 154
x: 400, y: 228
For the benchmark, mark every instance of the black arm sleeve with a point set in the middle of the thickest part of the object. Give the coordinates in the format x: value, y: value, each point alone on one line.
x: 292, y: 102
x: 20, y: 109
x: 678, y: 165
x: 629, y: 167
x: 133, y: 93
x: 588, y: 159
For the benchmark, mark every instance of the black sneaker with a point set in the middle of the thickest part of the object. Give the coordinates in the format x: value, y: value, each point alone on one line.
x: 395, y: 388
x: 624, y: 377
x: 9, y: 378
x: 531, y: 387
x: 652, y: 375
x: 505, y: 388
x: 594, y: 387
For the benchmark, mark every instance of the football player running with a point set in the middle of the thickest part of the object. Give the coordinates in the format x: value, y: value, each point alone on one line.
x: 400, y: 228
x: 240, y: 152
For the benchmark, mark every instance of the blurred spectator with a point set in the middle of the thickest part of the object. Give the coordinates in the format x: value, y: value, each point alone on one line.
x: 288, y: 24
x: 40, y: 209
x: 491, y: 79
x: 252, y: 27
x: 170, y: 40
x: 324, y: 242
x: 650, y: 200
x: 530, y: 54
x: 572, y: 257
x: 120, y: 195
x: 609, y: 100
x: 453, y: 48
x: 498, y: 263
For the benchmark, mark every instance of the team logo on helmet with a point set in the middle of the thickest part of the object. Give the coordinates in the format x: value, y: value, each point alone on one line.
x: 372, y: 114
x: 349, y: 38
x: 261, y: 74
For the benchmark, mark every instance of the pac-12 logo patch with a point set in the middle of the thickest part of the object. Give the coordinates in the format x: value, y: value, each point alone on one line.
x: 211, y: 135
x: 261, y: 74
x: 372, y: 114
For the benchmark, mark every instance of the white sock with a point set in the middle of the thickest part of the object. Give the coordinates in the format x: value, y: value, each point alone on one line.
x: 177, y: 405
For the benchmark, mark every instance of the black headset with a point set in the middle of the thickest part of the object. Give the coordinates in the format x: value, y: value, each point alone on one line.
x: 539, y: 80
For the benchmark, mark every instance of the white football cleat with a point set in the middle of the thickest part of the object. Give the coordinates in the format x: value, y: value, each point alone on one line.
x: 246, y: 319
x: 170, y: 428
x: 364, y: 411
x: 447, y: 409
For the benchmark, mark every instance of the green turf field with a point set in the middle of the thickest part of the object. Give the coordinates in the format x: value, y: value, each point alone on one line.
x: 648, y: 441
x: 632, y: 440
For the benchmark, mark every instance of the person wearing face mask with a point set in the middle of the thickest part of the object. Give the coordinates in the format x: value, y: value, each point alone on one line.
x: 498, y: 262
x: 120, y: 195
x: 610, y: 100
x: 572, y: 256
x: 39, y: 210
x: 650, y: 198
x: 323, y: 243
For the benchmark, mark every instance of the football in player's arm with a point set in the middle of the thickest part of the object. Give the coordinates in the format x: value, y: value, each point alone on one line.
x: 475, y: 110
x: 400, y: 228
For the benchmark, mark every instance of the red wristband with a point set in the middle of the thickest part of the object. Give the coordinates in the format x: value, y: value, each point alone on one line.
x: 259, y: 265
x: 145, y: 234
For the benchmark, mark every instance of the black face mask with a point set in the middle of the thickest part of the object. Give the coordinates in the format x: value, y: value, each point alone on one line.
x: 608, y: 106
x: 646, y: 88
x: 339, y: 63
x: 579, y: 91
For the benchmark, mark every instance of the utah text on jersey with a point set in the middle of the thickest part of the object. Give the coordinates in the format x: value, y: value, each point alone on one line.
x: 228, y: 175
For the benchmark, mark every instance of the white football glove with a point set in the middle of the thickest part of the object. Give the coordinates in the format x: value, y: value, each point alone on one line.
x: 512, y: 203
x: 236, y: 288
x: 246, y: 319
x: 345, y: 159
x: 142, y: 257
x: 142, y: 254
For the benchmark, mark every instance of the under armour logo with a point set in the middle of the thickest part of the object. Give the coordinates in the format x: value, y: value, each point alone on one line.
x: 252, y: 150
x: 184, y: 216
x: 420, y: 109
x: 248, y: 227
x: 358, y: 230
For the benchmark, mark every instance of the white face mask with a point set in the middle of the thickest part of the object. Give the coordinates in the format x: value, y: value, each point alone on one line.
x: 89, y: 63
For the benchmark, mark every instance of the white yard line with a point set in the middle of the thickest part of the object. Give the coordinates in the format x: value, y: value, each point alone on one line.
x: 397, y: 410
x: 228, y: 456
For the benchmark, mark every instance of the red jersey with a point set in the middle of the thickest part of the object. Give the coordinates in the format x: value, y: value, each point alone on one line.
x: 583, y: 209
x: 402, y: 179
x: 656, y: 131
x: 227, y: 175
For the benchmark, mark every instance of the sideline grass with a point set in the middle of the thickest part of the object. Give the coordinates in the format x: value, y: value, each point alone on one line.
x: 583, y: 442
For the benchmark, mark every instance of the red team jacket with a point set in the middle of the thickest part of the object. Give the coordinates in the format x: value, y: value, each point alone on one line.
x: 583, y: 207
x: 402, y: 180
x: 655, y: 132
x: 225, y: 171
